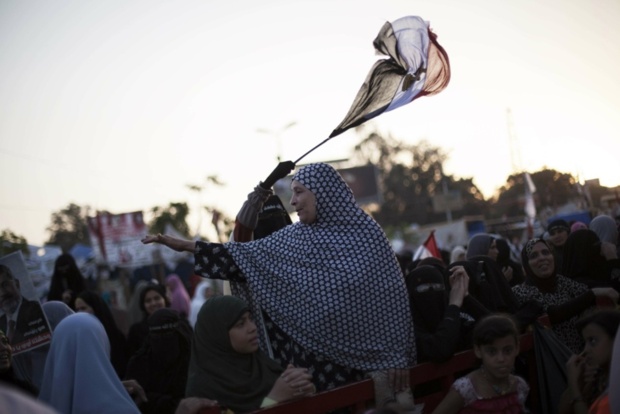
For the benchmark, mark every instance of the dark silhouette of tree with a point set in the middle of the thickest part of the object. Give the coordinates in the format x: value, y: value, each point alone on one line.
x: 69, y: 227
x: 553, y: 190
x: 410, y: 176
x: 174, y: 214
x: 11, y: 242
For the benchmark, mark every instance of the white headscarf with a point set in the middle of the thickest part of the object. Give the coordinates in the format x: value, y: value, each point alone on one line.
x: 605, y: 228
x: 198, y: 300
x: 334, y: 286
x: 78, y: 376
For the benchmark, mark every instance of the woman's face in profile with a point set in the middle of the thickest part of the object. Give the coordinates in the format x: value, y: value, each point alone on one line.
x: 304, y: 202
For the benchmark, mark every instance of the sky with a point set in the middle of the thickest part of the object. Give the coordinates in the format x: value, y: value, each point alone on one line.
x: 120, y: 105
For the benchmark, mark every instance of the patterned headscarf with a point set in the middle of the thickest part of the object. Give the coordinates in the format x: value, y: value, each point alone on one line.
x: 544, y: 284
x: 335, y: 285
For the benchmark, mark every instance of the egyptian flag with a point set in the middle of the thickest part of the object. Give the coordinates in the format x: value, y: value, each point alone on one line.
x: 428, y: 248
x: 417, y: 66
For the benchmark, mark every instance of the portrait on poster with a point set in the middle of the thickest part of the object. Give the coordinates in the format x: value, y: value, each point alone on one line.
x: 21, y: 316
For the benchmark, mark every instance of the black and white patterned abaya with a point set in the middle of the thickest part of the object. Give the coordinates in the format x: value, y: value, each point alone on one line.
x: 334, y: 286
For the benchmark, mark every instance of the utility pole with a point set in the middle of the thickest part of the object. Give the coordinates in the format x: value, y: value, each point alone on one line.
x: 278, y: 136
x: 515, y: 150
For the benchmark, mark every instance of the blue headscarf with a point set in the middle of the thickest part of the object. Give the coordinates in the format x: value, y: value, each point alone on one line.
x: 78, y: 376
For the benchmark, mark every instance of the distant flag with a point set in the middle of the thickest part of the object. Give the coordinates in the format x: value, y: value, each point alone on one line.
x: 530, y: 206
x: 428, y: 248
x: 417, y: 66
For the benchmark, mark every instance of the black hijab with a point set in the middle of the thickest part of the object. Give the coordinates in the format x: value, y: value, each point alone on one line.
x: 216, y: 371
x: 582, y: 259
x: 161, y: 365
x: 427, y: 296
x: 66, y: 276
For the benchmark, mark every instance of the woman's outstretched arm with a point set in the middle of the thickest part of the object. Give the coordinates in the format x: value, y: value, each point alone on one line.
x: 179, y: 245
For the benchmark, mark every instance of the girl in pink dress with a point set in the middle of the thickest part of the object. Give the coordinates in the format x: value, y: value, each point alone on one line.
x: 492, y: 388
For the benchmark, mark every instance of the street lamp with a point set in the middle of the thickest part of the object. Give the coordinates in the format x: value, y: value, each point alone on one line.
x: 278, y: 135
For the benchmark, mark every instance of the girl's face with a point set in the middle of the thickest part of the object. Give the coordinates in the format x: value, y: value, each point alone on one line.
x: 598, y: 345
x: 304, y: 202
x: 498, y: 358
x: 540, y: 260
x: 153, y: 301
x: 243, y: 335
x: 82, y: 306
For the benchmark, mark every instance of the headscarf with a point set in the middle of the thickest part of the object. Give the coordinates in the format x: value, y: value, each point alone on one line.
x: 69, y: 279
x: 427, y: 296
x: 198, y: 300
x: 582, y: 259
x: 118, y: 342
x: 146, y: 289
x: 29, y: 365
x: 78, y: 376
x: 160, y: 366
x: 456, y: 253
x: 605, y: 228
x: 134, y: 309
x: 578, y: 225
x: 320, y: 282
x: 546, y: 284
x: 179, y: 298
x: 216, y: 371
x: 479, y: 245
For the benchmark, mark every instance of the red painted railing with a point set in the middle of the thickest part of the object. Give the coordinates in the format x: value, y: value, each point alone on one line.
x: 436, y: 379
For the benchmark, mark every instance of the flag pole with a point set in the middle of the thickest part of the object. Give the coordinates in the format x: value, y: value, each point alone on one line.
x: 313, y: 148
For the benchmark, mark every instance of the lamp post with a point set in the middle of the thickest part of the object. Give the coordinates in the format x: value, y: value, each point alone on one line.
x: 278, y: 136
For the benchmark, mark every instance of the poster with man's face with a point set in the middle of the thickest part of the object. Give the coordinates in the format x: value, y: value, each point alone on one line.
x: 22, y: 319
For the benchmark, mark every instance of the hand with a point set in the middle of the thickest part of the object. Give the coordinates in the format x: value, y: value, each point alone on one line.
x: 459, y: 285
x: 574, y: 373
x: 293, y: 383
x: 152, y: 238
x: 135, y: 390
x: 281, y: 171
x: 608, y: 292
x: 608, y: 250
x: 193, y: 405
x: 398, y: 378
x: 507, y: 270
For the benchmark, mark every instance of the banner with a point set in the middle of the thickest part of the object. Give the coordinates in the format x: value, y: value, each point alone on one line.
x: 21, y: 316
x: 116, y: 239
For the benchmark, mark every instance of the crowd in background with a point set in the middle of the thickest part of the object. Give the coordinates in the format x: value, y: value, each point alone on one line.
x: 157, y: 352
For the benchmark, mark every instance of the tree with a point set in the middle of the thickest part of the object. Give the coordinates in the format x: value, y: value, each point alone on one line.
x: 175, y: 215
x: 410, y: 176
x: 553, y: 190
x: 69, y: 227
x: 11, y: 242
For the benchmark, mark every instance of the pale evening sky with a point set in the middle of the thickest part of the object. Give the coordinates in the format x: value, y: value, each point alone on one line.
x: 120, y: 104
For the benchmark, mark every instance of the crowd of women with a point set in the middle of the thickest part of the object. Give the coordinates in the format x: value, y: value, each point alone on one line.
x: 324, y: 302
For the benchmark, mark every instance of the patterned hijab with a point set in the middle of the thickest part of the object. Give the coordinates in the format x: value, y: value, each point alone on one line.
x: 335, y: 285
x: 216, y: 371
x: 546, y: 285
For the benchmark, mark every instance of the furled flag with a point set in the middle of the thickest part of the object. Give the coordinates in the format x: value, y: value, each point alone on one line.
x: 417, y: 66
x: 530, y: 206
x: 428, y: 248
